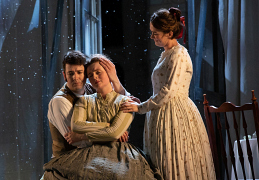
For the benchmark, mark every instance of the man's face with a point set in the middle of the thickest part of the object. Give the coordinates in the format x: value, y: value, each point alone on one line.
x: 75, y: 77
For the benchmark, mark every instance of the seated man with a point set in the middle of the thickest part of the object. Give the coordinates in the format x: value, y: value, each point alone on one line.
x: 99, y: 119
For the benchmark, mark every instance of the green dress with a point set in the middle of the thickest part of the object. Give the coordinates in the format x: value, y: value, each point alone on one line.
x: 101, y: 160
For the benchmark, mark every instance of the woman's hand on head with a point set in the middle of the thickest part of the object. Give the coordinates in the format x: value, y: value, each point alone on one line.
x: 130, y: 106
x: 109, y: 67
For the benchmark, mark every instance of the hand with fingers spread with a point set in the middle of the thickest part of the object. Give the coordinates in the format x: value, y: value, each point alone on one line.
x: 130, y: 106
x: 109, y: 67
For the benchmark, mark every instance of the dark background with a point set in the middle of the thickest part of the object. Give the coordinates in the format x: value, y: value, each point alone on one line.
x: 125, y: 35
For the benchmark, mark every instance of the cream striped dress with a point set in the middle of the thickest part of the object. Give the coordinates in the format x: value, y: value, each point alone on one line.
x: 175, y: 137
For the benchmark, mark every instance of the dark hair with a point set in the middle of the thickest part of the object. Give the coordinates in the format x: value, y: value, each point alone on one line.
x: 167, y: 20
x: 93, y: 59
x: 74, y: 58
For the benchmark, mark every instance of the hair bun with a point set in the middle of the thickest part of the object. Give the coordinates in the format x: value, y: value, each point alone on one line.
x: 175, y: 12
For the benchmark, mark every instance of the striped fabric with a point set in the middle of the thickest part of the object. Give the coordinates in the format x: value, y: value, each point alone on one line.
x: 100, y: 118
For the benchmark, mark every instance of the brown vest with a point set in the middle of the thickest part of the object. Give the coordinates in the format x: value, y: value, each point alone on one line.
x: 59, y: 143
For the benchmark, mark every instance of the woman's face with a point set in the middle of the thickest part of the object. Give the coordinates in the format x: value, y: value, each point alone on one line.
x: 161, y: 39
x: 98, y: 77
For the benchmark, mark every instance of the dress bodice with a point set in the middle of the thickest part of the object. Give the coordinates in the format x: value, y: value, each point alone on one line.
x: 172, y: 64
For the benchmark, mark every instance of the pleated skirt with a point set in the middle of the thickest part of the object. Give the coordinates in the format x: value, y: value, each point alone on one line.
x: 176, y: 140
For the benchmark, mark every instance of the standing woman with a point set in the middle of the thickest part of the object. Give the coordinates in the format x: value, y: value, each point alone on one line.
x: 175, y: 137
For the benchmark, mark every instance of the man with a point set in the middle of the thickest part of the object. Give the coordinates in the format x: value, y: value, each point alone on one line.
x: 61, y: 105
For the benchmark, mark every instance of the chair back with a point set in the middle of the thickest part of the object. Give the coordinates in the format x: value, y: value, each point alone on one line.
x: 215, y: 117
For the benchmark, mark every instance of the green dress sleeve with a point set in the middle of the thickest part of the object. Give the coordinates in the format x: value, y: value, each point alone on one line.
x: 99, y: 131
x: 78, y: 121
x: 118, y: 126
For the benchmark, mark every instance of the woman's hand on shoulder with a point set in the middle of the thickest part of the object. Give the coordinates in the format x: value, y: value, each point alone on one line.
x: 133, y: 98
x: 129, y: 106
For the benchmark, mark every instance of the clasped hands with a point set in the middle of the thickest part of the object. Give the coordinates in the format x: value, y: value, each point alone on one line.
x: 72, y: 137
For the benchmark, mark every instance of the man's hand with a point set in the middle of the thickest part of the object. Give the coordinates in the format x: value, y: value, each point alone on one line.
x: 124, y: 137
x: 72, y: 137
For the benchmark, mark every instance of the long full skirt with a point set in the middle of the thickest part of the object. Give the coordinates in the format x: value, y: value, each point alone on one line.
x: 176, y: 140
x: 113, y: 161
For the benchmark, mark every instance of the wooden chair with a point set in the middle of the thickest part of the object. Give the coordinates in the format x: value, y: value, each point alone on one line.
x: 213, y: 117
